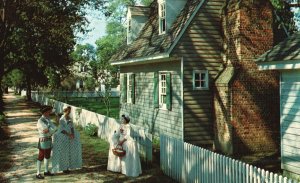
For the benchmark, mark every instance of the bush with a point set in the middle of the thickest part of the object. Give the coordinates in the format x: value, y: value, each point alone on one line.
x: 2, y: 119
x: 156, y: 142
x: 91, y: 129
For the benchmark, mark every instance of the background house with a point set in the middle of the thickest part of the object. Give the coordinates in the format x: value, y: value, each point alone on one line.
x: 194, y: 77
x: 81, y: 72
x: 285, y: 58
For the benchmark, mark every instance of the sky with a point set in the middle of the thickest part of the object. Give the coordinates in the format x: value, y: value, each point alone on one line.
x: 97, y: 26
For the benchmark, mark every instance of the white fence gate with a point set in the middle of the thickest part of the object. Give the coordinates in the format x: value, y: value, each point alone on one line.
x: 106, y: 126
x: 188, y: 163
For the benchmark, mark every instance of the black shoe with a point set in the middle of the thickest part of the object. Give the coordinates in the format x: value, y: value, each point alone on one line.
x: 48, y: 174
x: 39, y: 176
x: 66, y: 171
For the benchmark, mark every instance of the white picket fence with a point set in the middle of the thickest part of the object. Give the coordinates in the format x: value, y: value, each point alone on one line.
x: 77, y: 94
x: 188, y: 163
x: 106, y: 126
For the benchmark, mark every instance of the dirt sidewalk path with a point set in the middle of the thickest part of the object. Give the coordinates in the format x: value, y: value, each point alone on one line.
x: 21, y: 118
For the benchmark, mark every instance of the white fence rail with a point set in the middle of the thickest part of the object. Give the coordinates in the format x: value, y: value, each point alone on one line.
x: 67, y: 94
x: 106, y: 126
x: 188, y: 163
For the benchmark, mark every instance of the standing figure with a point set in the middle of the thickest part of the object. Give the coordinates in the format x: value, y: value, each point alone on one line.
x: 45, y: 129
x: 130, y: 164
x: 67, y: 152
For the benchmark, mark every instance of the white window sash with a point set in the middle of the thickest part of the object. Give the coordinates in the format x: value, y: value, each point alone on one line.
x: 200, y: 72
x: 162, y: 17
x: 162, y: 90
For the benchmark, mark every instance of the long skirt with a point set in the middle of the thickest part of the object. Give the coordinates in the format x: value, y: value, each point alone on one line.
x: 67, y: 153
x: 130, y: 163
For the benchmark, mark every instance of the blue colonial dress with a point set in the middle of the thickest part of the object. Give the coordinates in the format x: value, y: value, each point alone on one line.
x: 67, y: 152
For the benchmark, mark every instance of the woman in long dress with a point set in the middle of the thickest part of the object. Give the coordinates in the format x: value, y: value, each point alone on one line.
x: 130, y: 164
x: 67, y: 152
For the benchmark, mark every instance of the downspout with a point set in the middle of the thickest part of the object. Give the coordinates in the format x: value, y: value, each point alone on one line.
x: 182, y: 98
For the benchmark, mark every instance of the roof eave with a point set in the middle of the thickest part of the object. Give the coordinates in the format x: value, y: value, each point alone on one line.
x: 279, y: 65
x: 142, y: 60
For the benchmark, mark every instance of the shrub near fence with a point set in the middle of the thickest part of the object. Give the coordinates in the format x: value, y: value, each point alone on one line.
x: 188, y: 163
x: 106, y: 126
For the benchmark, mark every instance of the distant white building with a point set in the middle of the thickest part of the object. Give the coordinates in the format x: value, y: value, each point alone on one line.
x: 81, y: 71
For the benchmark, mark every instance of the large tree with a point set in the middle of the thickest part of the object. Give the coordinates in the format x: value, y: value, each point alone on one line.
x: 39, y: 34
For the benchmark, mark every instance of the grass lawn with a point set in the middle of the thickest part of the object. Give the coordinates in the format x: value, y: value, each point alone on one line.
x: 95, y: 150
x: 95, y: 105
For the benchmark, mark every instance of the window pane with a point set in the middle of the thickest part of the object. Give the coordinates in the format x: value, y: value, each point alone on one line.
x: 163, y: 99
x: 197, y: 84
x: 163, y: 25
x: 203, y: 76
x: 197, y: 76
x: 203, y: 84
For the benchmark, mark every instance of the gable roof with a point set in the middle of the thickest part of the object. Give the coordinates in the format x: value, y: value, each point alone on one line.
x: 149, y: 43
x: 287, y: 50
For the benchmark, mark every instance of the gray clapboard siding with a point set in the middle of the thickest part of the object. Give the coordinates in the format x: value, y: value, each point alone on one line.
x: 143, y: 112
x: 290, y: 120
x: 200, y: 47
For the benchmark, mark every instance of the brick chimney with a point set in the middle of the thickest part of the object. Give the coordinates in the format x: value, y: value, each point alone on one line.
x: 246, y: 100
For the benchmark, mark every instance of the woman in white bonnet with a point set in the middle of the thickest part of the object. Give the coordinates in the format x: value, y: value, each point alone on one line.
x: 129, y: 164
x: 67, y: 152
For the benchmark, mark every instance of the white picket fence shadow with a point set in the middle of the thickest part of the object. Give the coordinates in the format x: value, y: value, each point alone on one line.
x: 188, y: 163
x: 106, y: 126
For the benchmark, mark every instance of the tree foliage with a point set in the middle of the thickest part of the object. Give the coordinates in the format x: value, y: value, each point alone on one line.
x: 40, y: 34
x: 285, y: 15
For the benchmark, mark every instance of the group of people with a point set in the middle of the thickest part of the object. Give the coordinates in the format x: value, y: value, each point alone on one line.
x: 64, y: 142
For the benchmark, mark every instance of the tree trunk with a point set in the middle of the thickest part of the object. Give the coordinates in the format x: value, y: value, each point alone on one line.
x: 28, y: 89
x: 1, y: 76
x: 1, y: 96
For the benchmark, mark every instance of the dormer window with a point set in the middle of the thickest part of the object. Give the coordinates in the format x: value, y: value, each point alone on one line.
x: 162, y: 17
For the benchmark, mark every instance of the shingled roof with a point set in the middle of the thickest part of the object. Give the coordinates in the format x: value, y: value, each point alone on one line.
x: 149, y: 42
x: 288, y: 50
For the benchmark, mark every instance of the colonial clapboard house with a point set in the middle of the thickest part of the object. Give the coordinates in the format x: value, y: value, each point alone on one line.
x: 188, y: 71
x: 285, y: 58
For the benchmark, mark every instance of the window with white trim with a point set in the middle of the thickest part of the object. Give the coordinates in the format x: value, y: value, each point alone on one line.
x: 162, y: 90
x: 162, y: 17
x: 200, y: 79
x: 129, y: 87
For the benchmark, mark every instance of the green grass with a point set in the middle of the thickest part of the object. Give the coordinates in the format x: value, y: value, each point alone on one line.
x: 94, y: 149
x: 96, y: 105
